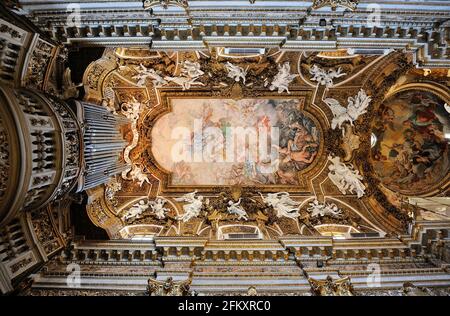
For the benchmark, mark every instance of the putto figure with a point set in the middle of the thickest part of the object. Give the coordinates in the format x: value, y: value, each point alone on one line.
x: 184, y: 82
x: 282, y: 204
x: 283, y: 78
x: 356, y: 107
x: 345, y: 177
x: 193, y: 207
x: 236, y: 72
x: 319, y: 210
x: 144, y: 73
x: 191, y: 69
x: 136, y: 211
x: 236, y: 209
x: 138, y: 175
x: 158, y: 208
x: 325, y: 78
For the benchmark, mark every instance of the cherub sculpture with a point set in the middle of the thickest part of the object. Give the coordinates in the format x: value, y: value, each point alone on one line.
x: 138, y: 175
x: 236, y: 209
x: 283, y: 78
x: 323, y: 77
x: 144, y: 73
x: 158, y: 207
x: 191, y: 69
x: 345, y: 177
x: 319, y: 210
x: 356, y: 107
x: 136, y: 210
x: 236, y: 72
x: 282, y: 204
x: 193, y: 207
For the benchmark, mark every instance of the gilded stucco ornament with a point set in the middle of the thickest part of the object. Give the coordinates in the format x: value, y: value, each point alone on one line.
x: 169, y: 287
x: 4, y: 161
x: 330, y: 287
x: 349, y: 4
x: 148, y: 4
x: 212, y: 72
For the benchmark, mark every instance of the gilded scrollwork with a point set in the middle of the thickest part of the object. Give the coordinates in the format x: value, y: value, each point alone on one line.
x: 169, y: 287
x: 330, y: 287
x: 349, y: 4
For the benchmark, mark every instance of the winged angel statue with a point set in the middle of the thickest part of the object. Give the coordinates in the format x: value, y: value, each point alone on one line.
x: 356, y: 107
x: 345, y: 177
x: 282, y: 204
x: 235, y: 72
x: 193, y: 207
x: 319, y: 210
x: 143, y: 73
x: 283, y: 78
x: 236, y: 209
x: 323, y: 77
x: 158, y: 207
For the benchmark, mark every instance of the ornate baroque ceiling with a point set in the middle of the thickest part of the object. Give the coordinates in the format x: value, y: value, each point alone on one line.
x: 346, y: 134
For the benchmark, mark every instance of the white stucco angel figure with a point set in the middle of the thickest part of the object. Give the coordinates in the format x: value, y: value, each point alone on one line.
x: 236, y: 72
x: 136, y: 210
x: 138, y: 175
x: 191, y: 69
x: 282, y: 204
x: 325, y: 78
x: 143, y: 73
x: 345, y: 177
x: 236, y: 209
x: 319, y: 210
x: 184, y: 82
x: 158, y: 207
x: 283, y: 78
x: 356, y: 107
x: 193, y: 206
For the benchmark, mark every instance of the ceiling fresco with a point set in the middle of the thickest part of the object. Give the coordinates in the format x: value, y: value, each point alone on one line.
x: 229, y: 142
x: 411, y: 153
x: 322, y: 143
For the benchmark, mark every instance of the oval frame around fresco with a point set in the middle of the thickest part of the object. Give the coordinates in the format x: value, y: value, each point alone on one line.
x: 441, y: 93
